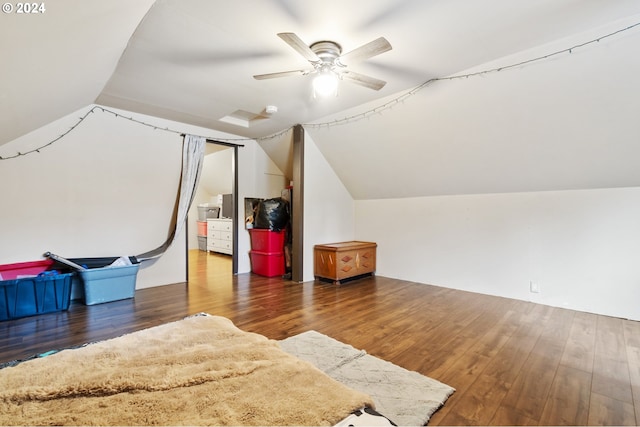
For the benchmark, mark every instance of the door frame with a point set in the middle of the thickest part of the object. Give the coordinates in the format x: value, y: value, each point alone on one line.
x: 234, y: 211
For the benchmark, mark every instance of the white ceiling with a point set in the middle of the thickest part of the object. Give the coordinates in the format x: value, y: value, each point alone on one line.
x: 193, y: 61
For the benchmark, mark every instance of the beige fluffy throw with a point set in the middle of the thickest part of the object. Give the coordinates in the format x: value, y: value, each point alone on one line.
x: 198, y: 371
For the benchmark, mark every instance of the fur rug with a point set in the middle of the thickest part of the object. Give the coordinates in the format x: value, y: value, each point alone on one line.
x: 198, y: 371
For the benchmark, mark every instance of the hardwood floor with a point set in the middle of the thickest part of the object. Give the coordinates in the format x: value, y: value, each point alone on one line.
x: 511, y: 362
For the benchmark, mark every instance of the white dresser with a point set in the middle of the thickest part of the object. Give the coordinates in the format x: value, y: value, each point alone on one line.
x: 219, y: 235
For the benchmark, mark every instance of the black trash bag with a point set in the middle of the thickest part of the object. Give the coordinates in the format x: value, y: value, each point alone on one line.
x: 273, y: 214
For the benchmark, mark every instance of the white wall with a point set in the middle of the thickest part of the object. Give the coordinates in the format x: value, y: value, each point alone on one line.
x: 217, y: 173
x: 108, y: 188
x: 328, y: 206
x: 580, y: 247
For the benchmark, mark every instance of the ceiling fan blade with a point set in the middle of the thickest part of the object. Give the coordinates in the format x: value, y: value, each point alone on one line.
x: 301, y: 47
x: 362, y: 80
x: 376, y: 47
x: 281, y: 74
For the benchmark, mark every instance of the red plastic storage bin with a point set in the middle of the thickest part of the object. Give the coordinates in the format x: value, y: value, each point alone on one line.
x: 202, y: 228
x: 267, y: 264
x: 263, y: 240
x: 31, y: 268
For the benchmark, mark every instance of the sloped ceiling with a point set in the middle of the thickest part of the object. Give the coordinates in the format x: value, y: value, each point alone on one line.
x: 57, y: 61
x: 193, y: 61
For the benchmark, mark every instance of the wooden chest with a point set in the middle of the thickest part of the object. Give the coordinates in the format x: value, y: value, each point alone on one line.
x: 344, y: 260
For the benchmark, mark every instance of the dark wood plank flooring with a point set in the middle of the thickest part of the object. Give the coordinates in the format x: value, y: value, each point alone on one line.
x: 511, y: 362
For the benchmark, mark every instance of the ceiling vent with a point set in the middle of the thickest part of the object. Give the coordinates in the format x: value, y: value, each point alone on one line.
x: 244, y: 119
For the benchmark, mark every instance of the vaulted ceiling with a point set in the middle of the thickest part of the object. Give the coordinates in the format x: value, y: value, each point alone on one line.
x: 562, y: 123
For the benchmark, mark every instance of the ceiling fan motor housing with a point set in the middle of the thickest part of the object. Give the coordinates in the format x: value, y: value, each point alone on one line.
x: 327, y: 51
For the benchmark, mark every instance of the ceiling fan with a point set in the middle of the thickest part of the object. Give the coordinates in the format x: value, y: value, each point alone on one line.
x: 329, y: 63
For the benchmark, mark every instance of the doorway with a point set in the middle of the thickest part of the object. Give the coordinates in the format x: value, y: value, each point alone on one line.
x: 214, y: 207
x: 292, y: 160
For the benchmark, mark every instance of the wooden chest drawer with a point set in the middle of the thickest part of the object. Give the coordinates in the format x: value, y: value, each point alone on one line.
x: 219, y: 235
x: 344, y: 260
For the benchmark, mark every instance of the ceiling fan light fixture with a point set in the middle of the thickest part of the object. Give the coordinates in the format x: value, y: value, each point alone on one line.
x: 326, y: 57
x: 326, y: 83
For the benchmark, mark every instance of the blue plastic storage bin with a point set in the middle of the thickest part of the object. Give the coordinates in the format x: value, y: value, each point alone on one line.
x: 29, y: 296
x: 100, y: 283
x: 109, y: 284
